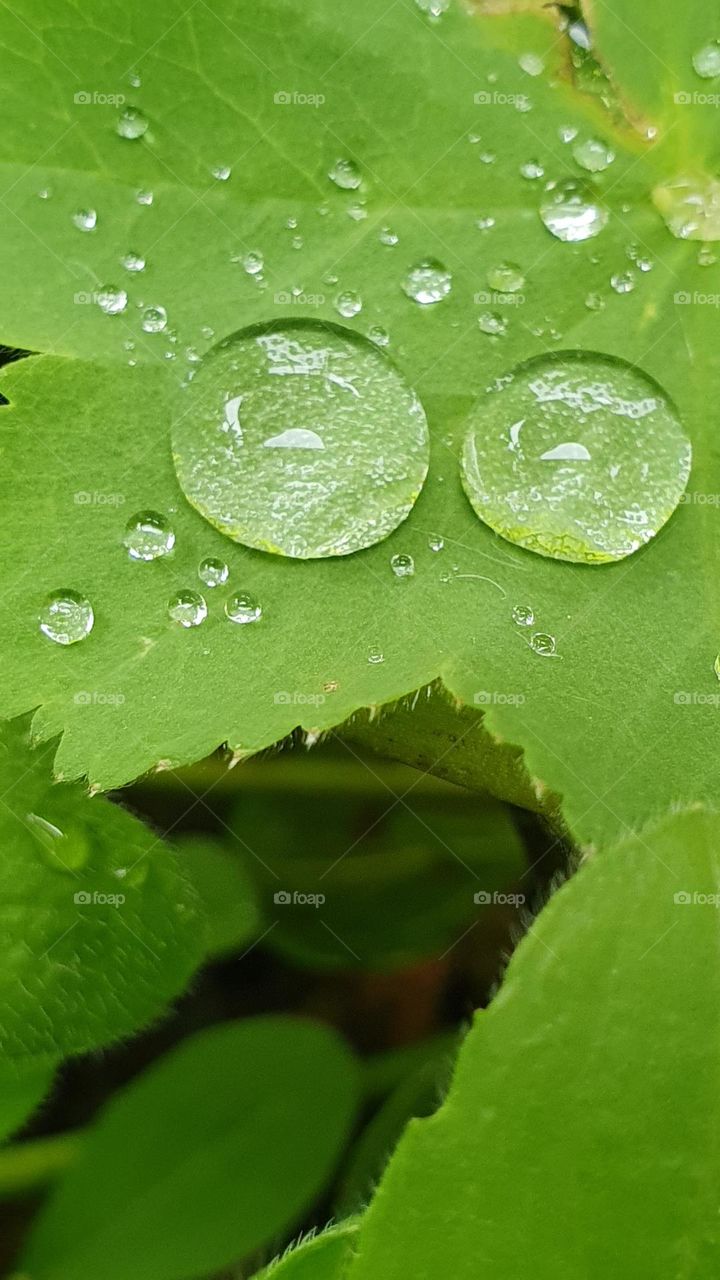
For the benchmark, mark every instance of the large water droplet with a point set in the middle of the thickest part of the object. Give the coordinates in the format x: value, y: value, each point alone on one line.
x: 66, y: 617
x: 593, y: 154
x: 492, y: 323
x: 148, y: 535
x: 253, y: 262
x: 64, y: 848
x: 112, y: 300
x: 242, y: 607
x: 213, y: 572
x: 221, y: 172
x: 576, y: 456
x: 532, y: 170
x: 543, y: 644
x: 301, y: 439
x: 133, y: 262
x: 402, y: 565
x: 345, y: 174
x: 690, y: 207
x: 85, y: 219
x: 154, y: 319
x: 571, y: 213
x: 187, y: 608
x: 428, y: 281
x: 707, y: 60
x: 506, y: 277
x: 623, y: 281
x: 523, y: 615
x: 131, y: 123
x: 348, y: 304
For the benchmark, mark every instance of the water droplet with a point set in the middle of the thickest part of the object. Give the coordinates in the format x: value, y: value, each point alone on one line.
x: 707, y: 60
x: 65, y: 848
x: 492, y: 323
x: 187, y: 608
x: 85, y: 219
x: 706, y: 257
x: 253, y: 262
x: 716, y: 666
x: 340, y: 482
x: 506, y: 277
x: 576, y: 456
x: 523, y: 615
x: 623, y: 281
x: 133, y: 262
x: 348, y: 304
x: 221, y: 172
x: 345, y: 174
x: 144, y: 197
x: 593, y: 154
x: 436, y: 542
x: 131, y: 123
x: 571, y: 213
x: 388, y: 236
x: 579, y: 34
x: 567, y: 133
x: 154, y: 319
x: 45, y: 193
x: 111, y: 300
x: 690, y: 207
x: 402, y: 565
x: 428, y: 281
x: 297, y: 242
x: 543, y: 644
x: 66, y: 617
x: 531, y: 63
x: 595, y: 302
x: 357, y: 211
x: 148, y: 535
x: 531, y: 170
x: 376, y: 656
x: 485, y: 223
x: 487, y: 157
x: 378, y: 335
x: 242, y: 607
x: 213, y: 572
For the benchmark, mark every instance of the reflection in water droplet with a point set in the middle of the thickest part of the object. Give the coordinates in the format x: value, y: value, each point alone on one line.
x: 213, y: 572
x: 144, y: 197
x: 532, y: 169
x: 131, y: 123
x: 593, y: 154
x: 112, y: 300
x: 66, y: 617
x: 523, y: 615
x: 571, y: 213
x: 242, y: 607
x: 348, y: 304
x: 428, y: 281
x: 506, y: 277
x: 148, y: 535
x: 302, y: 440
x: 402, y: 565
x: 690, y: 207
x: 133, y: 262
x: 576, y: 456
x: 436, y: 542
x: 253, y: 262
x: 187, y: 608
x: 221, y: 172
x: 707, y: 60
x: 345, y: 174
x: 543, y: 644
x: 154, y: 319
x: 85, y: 219
x: 623, y: 281
x: 492, y: 323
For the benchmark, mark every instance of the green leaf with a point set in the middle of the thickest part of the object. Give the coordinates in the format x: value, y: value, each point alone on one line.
x: 322, y: 1257
x: 579, y: 1085
x: 227, y: 894
x: 98, y: 921
x: 632, y: 639
x: 212, y: 1152
x: 20, y: 1095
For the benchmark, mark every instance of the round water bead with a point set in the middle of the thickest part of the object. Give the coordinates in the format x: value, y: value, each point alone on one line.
x: 346, y: 175
x: 402, y: 565
x: 242, y: 607
x: 154, y: 319
x: 571, y: 212
x: 187, y: 608
x: 301, y: 439
x: 428, y: 281
x: 148, y: 535
x: 593, y: 154
x: 112, y: 300
x: 576, y: 456
x: 132, y: 123
x: 66, y: 617
x: 505, y: 277
x: 690, y: 207
x: 707, y: 60
x: 213, y: 572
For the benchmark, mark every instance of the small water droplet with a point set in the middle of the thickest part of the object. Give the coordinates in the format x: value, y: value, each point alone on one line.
x: 66, y: 617
x: 487, y: 157
x: 213, y: 572
x: 593, y: 154
x: 531, y: 170
x: 690, y: 207
x: 485, y: 223
x: 357, y: 211
x: 531, y: 63
x: 623, y: 281
x: 187, y: 608
x: 133, y: 262
x: 567, y: 133
x: 154, y: 319
x: 253, y: 262
x: 543, y: 644
x: 523, y: 615
x: 436, y: 542
x: 65, y: 848
x: 716, y: 666
x: 297, y: 242
x: 506, y: 277
x: 242, y: 607
x: 427, y: 282
x: 571, y: 213
x: 148, y: 535
x: 595, y: 302
x: 144, y: 197
x: 131, y: 123
x: 85, y: 219
x: 345, y: 174
x: 375, y: 656
x: 706, y: 257
x: 707, y: 60
x: 221, y: 172
x: 388, y: 236
x: 579, y: 34
x: 45, y: 193
x: 348, y: 304
x: 492, y: 323
x: 378, y: 335
x: 111, y: 300
x: 402, y: 565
